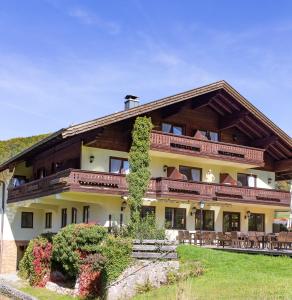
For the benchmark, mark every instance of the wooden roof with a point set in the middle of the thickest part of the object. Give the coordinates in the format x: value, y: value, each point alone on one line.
x: 225, y: 100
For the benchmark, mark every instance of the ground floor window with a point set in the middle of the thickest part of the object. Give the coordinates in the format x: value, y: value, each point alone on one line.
x: 207, y: 222
x: 231, y: 221
x: 175, y: 218
x: 26, y: 219
x: 85, y: 214
x: 256, y: 222
x: 74, y: 215
x: 64, y: 217
x: 48, y: 220
x: 147, y: 210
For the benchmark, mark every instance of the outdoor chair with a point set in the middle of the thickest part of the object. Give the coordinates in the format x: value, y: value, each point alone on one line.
x: 280, y: 241
x: 252, y: 240
x: 236, y: 240
x: 223, y: 239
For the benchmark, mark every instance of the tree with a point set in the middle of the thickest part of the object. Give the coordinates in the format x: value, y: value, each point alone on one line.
x: 139, y: 159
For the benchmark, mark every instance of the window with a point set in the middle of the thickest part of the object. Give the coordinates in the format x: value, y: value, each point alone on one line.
x: 231, y: 221
x: 64, y: 217
x: 26, y: 219
x: 175, y: 218
x: 85, y: 214
x: 210, y: 135
x: 208, y: 220
x: 192, y: 174
x: 119, y: 165
x: 74, y: 215
x: 170, y: 128
x: 147, y: 210
x: 256, y: 222
x: 48, y: 220
x: 247, y: 180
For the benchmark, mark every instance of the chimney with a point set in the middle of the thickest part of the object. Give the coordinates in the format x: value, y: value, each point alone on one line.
x: 131, y: 101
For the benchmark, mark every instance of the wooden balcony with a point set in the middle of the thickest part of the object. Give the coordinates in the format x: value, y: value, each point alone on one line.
x: 160, y: 188
x: 204, y: 148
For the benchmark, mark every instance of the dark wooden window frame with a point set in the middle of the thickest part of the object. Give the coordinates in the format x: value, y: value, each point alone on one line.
x: 22, y: 220
x: 150, y: 207
x: 200, y: 169
x: 117, y: 158
x: 264, y: 220
x: 198, y: 214
x: 85, y: 214
x: 48, y: 220
x: 231, y: 212
x: 253, y: 175
x: 174, y: 209
x: 74, y: 215
x: 183, y: 127
x: 217, y: 131
x: 63, y: 217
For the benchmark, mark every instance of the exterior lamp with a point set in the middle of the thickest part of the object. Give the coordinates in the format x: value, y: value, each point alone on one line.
x: 202, y: 204
x: 193, y: 211
x: 270, y: 180
x: 91, y: 159
x: 165, y: 168
x: 247, y: 216
x: 123, y: 206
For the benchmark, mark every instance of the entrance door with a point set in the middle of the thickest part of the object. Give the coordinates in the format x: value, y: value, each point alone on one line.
x: 231, y: 221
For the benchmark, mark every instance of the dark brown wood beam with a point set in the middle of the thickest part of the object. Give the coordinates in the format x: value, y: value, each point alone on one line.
x: 232, y: 120
x: 242, y: 129
x: 284, y: 149
x: 222, y: 104
x: 230, y: 101
x: 216, y: 108
x: 273, y: 154
x: 258, y: 126
x: 200, y: 102
x: 283, y: 165
x: 250, y: 128
x: 171, y: 110
x: 264, y: 142
x: 280, y: 154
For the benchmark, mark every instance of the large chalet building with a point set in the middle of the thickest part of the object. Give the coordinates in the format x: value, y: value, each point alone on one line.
x: 210, y: 149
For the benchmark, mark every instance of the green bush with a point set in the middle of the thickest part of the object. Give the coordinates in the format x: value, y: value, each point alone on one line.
x: 146, y: 229
x: 36, y: 262
x: 117, y: 253
x: 74, y: 241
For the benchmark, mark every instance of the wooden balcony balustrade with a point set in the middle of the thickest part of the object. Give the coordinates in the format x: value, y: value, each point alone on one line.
x: 160, y: 188
x: 161, y: 141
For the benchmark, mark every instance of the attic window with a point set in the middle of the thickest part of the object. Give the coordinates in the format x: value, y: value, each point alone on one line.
x: 171, y: 128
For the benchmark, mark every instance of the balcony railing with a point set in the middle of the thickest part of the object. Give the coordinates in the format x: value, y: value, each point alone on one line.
x: 216, y: 150
x: 160, y: 188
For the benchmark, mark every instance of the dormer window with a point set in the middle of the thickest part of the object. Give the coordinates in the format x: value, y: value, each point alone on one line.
x: 171, y: 128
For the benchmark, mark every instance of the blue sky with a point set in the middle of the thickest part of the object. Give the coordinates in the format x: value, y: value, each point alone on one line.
x: 64, y: 62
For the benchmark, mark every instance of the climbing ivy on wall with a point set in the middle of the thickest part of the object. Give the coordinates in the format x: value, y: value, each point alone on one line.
x: 139, y: 159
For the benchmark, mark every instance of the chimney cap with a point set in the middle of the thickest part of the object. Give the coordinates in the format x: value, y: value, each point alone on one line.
x: 131, y: 97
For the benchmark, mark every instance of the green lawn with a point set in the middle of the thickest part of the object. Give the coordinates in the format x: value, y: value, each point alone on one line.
x: 230, y: 276
x: 44, y: 294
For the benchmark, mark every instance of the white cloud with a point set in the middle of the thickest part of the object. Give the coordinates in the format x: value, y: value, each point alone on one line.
x: 89, y: 18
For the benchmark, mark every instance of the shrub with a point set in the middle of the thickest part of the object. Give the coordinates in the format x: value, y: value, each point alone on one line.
x: 117, y: 253
x: 36, y: 262
x: 145, y: 287
x: 74, y: 242
x: 139, y: 159
x: 146, y: 229
x: 89, y: 283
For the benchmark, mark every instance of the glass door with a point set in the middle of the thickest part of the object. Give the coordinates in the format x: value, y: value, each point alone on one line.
x: 231, y: 221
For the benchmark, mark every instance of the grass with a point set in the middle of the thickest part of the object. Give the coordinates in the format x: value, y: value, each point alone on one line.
x: 44, y: 294
x: 230, y: 276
